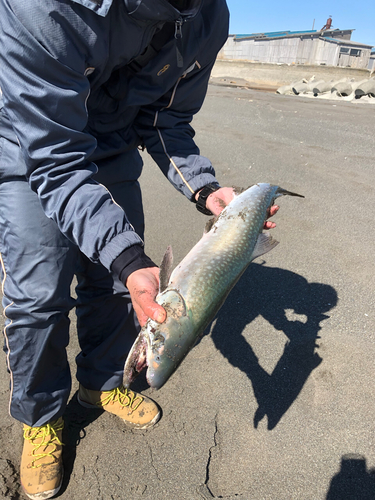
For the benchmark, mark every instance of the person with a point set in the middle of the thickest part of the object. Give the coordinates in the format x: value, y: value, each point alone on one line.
x: 85, y: 83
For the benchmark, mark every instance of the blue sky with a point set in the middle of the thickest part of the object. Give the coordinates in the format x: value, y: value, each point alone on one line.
x: 249, y: 16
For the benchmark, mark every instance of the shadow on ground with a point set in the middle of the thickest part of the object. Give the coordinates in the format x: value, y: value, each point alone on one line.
x: 292, y: 306
x: 76, y: 419
x: 354, y: 481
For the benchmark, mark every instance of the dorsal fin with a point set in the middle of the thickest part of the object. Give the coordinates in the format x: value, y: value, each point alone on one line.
x: 165, y: 269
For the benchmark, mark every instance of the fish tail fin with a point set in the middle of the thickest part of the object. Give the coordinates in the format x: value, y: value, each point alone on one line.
x: 265, y: 243
x: 282, y: 192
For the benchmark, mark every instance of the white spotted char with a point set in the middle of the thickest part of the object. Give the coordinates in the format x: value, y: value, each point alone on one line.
x: 200, y: 284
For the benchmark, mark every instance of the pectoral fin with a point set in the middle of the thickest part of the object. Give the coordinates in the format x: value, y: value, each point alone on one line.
x: 264, y: 244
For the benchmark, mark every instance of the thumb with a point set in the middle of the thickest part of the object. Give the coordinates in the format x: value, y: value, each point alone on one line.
x: 155, y: 311
x: 146, y: 307
x: 143, y: 286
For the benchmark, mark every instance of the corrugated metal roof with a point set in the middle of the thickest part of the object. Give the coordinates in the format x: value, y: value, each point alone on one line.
x: 326, y: 35
x: 345, y: 42
x: 336, y: 39
x: 273, y: 34
x: 276, y: 34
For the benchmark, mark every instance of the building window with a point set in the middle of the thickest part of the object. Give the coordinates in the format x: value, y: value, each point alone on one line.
x: 344, y: 50
x: 355, y: 52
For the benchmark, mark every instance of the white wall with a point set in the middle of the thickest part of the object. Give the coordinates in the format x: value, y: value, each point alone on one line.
x: 293, y: 50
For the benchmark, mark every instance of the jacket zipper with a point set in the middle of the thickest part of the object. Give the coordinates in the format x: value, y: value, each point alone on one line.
x: 178, y: 37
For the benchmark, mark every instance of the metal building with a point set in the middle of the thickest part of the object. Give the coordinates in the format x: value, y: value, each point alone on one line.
x: 332, y: 47
x: 371, y: 63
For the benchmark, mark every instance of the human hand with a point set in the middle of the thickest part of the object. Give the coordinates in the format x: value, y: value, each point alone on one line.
x: 143, y: 286
x: 218, y: 200
x: 268, y: 224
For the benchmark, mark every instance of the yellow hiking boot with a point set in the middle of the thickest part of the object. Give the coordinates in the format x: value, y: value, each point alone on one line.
x: 137, y: 411
x: 41, y: 462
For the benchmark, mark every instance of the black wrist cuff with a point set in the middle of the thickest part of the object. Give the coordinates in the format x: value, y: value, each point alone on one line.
x: 203, y: 195
x: 130, y: 260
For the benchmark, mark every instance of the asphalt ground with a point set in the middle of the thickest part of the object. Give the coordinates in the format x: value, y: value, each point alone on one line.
x: 276, y: 402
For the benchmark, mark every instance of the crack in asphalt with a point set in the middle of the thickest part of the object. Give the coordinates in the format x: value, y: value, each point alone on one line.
x: 210, y: 451
x: 152, y: 462
x: 204, y: 490
x: 95, y: 467
x: 9, y: 480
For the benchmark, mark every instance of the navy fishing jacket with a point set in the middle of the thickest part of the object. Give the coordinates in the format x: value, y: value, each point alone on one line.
x: 71, y: 97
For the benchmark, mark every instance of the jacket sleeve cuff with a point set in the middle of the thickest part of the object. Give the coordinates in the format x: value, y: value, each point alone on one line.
x: 190, y: 173
x: 130, y: 260
x: 198, y: 183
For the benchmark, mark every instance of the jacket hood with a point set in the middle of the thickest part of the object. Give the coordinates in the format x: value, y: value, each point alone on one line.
x: 148, y: 10
x: 162, y: 10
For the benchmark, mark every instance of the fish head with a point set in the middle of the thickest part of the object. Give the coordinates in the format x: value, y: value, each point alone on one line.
x: 168, y: 342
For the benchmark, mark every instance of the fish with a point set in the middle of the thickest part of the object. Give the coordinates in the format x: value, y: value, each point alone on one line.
x: 194, y: 291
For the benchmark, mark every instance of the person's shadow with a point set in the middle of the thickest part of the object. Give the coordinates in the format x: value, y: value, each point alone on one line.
x: 76, y: 419
x: 274, y: 293
x: 354, y: 481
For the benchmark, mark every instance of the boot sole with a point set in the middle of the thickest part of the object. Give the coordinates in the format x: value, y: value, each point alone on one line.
x: 127, y: 423
x: 44, y: 495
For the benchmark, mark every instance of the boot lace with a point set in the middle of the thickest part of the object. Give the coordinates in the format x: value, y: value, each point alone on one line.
x: 124, y: 397
x: 47, y: 434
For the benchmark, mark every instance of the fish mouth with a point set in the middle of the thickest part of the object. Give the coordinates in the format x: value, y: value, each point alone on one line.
x: 136, y: 362
x: 142, y: 360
